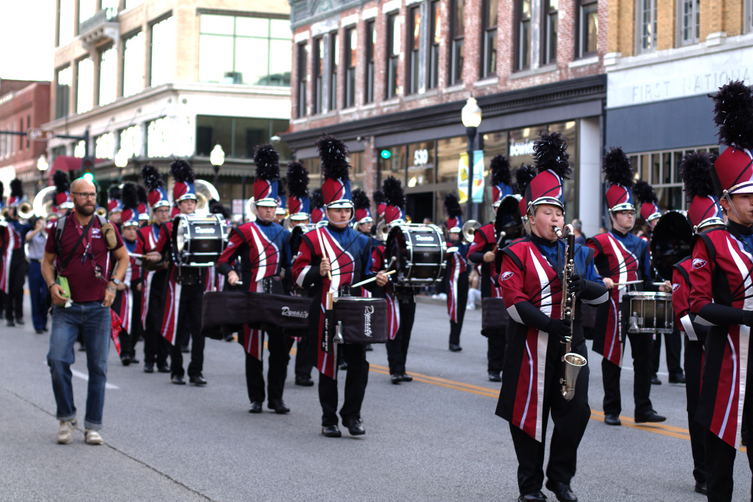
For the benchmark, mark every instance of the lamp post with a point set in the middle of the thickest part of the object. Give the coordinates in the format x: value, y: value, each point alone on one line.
x: 42, y: 166
x: 217, y: 158
x: 471, y: 117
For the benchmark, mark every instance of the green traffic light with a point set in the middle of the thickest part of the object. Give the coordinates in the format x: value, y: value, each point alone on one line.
x: 88, y: 176
x: 386, y: 154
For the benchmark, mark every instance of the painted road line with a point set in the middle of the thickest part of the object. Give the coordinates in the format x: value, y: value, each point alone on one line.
x: 84, y: 376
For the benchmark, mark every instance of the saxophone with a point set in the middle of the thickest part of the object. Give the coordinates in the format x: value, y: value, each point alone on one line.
x: 571, y: 362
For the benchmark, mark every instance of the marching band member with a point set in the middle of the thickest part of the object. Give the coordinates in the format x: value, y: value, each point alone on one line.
x: 621, y: 257
x: 184, y: 288
x: 15, y: 273
x: 650, y: 213
x: 480, y: 252
x: 704, y: 214
x: 128, y: 299
x: 63, y: 204
x: 114, y: 205
x: 400, y: 299
x: 317, y: 206
x: 331, y: 258
x: 281, y: 212
x: 532, y: 284
x: 722, y: 293
x: 156, y: 348
x: 143, y: 206
x: 4, y: 255
x: 262, y: 247
x: 457, y: 270
x: 363, y: 223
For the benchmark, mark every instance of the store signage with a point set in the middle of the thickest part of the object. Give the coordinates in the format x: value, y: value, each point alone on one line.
x: 522, y: 148
x: 420, y: 160
x: 478, y: 176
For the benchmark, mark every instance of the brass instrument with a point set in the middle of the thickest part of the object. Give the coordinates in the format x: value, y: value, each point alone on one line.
x: 205, y: 192
x: 571, y: 362
x: 469, y: 230
x: 44, y: 201
x: 250, y: 210
x: 101, y: 211
x: 25, y: 210
x: 382, y: 231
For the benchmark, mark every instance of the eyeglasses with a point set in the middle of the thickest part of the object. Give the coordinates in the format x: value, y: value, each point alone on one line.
x: 86, y: 195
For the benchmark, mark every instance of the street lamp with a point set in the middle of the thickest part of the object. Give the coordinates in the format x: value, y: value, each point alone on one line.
x: 42, y: 163
x: 217, y: 158
x: 121, y: 161
x: 471, y: 117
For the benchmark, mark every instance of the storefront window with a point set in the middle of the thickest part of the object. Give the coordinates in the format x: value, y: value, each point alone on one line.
x: 448, y: 158
x: 394, y: 165
x: 358, y: 174
x: 104, y: 145
x: 157, y: 138
x: 568, y: 130
x: 420, y: 164
x: 130, y: 141
x: 238, y: 136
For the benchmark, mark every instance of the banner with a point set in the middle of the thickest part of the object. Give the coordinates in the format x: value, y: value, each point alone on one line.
x: 463, y: 178
x: 478, y: 176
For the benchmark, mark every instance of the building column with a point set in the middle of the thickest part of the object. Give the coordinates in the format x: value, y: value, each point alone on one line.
x: 589, y: 178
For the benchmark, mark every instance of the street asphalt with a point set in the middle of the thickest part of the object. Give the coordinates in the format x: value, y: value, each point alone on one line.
x: 434, y: 439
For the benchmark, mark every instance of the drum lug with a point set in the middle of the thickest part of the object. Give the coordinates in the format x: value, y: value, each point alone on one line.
x: 338, y: 332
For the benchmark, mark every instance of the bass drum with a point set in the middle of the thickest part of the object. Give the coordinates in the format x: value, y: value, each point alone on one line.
x: 670, y: 242
x: 419, y: 253
x: 198, y: 241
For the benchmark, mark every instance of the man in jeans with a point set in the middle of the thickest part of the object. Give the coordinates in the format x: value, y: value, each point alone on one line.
x: 83, y: 253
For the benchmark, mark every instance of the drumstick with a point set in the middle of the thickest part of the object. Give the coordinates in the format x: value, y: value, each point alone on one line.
x: 628, y: 283
x: 136, y: 255
x: 371, y: 280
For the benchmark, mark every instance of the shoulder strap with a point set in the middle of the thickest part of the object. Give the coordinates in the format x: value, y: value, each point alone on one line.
x: 59, y: 235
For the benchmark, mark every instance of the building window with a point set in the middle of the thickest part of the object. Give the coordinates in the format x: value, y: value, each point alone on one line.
x: 66, y: 22
x: 588, y: 23
x: 436, y: 36
x: 86, y: 9
x: 689, y: 19
x: 163, y: 52
x: 104, y: 146
x: 393, y: 54
x: 107, y: 75
x: 133, y: 64
x: 489, y: 63
x: 28, y: 126
x: 129, y: 4
x: 238, y: 135
x: 63, y: 81
x: 457, y: 33
x: 21, y: 138
x: 523, y: 39
x: 302, y: 59
x: 549, y: 42
x: 646, y: 26
x: 244, y: 50
x: 351, y: 45
x: 370, y: 44
x: 318, y: 75
x: 158, y: 138
x: 84, y: 85
x: 80, y: 149
x: 130, y: 141
x: 334, y: 59
x: 414, y: 43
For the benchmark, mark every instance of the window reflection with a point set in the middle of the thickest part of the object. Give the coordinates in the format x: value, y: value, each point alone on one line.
x: 104, y: 146
x: 107, y: 75
x: 158, y: 138
x: 85, y: 84
x: 238, y: 136
x: 133, y: 64
x: 163, y: 52
x: 130, y: 141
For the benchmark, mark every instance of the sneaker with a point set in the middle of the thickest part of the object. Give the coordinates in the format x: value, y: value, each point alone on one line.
x: 470, y: 306
x: 65, y: 433
x: 93, y: 437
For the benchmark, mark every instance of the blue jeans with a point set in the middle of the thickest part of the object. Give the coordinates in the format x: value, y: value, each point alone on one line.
x: 93, y: 321
x: 38, y: 292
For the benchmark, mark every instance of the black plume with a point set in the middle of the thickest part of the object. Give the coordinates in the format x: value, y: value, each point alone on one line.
x: 695, y: 170
x: 500, y: 168
x: 281, y: 188
x: 267, y: 162
x: 16, y: 188
x: 151, y: 176
x: 523, y: 176
x: 452, y: 205
x: 2, y: 191
x: 60, y: 180
x: 115, y: 193
x: 360, y: 199
x: 549, y: 152
x: 216, y: 207
x: 141, y: 194
x: 334, y: 156
x: 298, y: 179
x: 733, y: 113
x: 130, y: 197
x: 617, y: 168
x: 644, y: 192
x: 181, y: 171
x: 317, y: 199
x: 393, y: 192
x: 378, y: 196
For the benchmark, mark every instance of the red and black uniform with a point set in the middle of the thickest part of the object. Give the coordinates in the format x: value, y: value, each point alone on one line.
x: 531, y: 285
x: 484, y: 241
x: 387, y: 292
x: 127, y: 305
x: 722, y: 298
x: 457, y: 291
x: 156, y: 348
x: 16, y: 268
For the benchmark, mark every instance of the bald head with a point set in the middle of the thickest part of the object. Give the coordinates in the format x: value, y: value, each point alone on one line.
x: 82, y: 185
x: 83, y: 204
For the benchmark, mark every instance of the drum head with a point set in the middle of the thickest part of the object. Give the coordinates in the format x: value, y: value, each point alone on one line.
x: 670, y: 242
x: 396, y: 247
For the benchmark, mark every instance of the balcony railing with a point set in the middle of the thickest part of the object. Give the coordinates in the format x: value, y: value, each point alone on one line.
x: 102, y: 25
x: 107, y: 15
x: 307, y: 11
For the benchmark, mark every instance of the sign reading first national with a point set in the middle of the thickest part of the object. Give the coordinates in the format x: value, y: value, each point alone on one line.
x: 35, y: 134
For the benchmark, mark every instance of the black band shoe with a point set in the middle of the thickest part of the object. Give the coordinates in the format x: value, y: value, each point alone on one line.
x: 405, y: 378
x: 494, y: 376
x: 655, y: 380
x: 355, y: 426
x: 255, y: 407
x: 651, y: 417
x: 278, y: 405
x: 148, y: 367
x: 178, y: 380
x: 454, y: 347
x: 562, y: 491
x: 701, y: 488
x: 163, y: 368
x: 612, y: 419
x: 197, y: 380
x: 532, y: 497
x: 331, y: 431
x: 304, y: 382
x: 396, y: 378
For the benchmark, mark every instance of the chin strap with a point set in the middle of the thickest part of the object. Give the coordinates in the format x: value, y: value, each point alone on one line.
x: 729, y: 201
x: 617, y: 226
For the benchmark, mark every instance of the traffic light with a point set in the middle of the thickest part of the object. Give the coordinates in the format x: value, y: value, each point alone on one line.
x: 87, y: 168
x: 386, y: 154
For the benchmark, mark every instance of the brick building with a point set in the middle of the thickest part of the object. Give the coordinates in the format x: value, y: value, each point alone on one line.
x: 391, y: 77
x: 156, y: 79
x: 663, y: 59
x: 23, y: 105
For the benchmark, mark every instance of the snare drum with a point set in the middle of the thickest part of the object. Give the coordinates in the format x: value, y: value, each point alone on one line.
x: 648, y: 312
x: 198, y: 241
x: 419, y: 251
x: 361, y: 320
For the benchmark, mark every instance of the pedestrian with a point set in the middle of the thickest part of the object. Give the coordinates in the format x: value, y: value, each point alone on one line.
x: 577, y: 230
x: 37, y: 238
x: 82, y: 295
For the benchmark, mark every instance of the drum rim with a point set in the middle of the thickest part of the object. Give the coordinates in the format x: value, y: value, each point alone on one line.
x: 648, y: 295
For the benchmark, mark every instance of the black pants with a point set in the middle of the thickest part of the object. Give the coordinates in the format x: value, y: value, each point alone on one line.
x: 673, y: 342
x: 189, y: 327
x: 462, y: 300
x: 720, y: 462
x: 279, y: 354
x: 355, y: 386
x: 570, y: 419
x: 14, y: 300
x: 640, y: 345
x: 305, y: 357
x: 693, y: 366
x: 397, y: 349
x: 156, y: 348
x: 495, y: 352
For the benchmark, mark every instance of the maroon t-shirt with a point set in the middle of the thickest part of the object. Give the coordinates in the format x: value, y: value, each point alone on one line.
x: 85, y: 287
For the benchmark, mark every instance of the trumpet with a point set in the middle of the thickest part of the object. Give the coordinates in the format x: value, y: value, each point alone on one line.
x: 101, y: 211
x: 25, y: 210
x: 382, y: 230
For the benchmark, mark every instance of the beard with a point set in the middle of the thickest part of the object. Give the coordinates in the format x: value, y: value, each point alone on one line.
x: 86, y: 210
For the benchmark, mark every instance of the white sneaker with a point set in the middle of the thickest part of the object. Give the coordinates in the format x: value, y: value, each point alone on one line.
x: 93, y: 437
x: 65, y: 433
x: 470, y: 306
